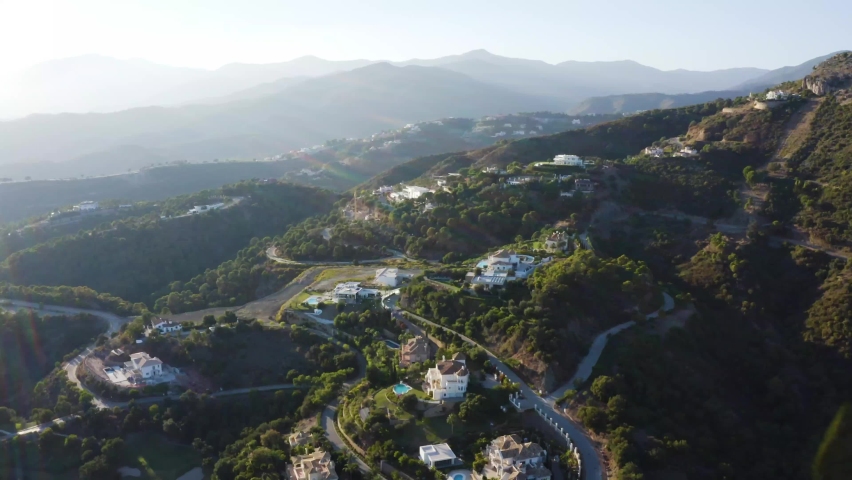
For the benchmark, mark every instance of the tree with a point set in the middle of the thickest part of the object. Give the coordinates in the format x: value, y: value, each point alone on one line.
x: 97, y: 469
x: 7, y: 416
x: 341, y: 306
x: 452, y: 420
x: 603, y: 388
x: 209, y: 321
x: 113, y: 450
x: 408, y: 402
x: 272, y: 439
x: 833, y: 461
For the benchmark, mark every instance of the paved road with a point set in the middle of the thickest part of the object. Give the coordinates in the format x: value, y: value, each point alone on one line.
x: 594, y: 469
x: 584, y: 369
x: 270, y: 253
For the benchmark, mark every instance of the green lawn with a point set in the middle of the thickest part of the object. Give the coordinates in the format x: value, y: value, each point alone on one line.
x: 159, y: 458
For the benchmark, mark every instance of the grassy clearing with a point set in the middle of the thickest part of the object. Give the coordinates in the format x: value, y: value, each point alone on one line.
x: 160, y: 459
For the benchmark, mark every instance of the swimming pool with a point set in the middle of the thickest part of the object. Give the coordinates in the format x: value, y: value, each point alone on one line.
x: 401, y: 389
x: 482, y: 264
x: 313, y: 301
x: 391, y: 344
x: 458, y: 476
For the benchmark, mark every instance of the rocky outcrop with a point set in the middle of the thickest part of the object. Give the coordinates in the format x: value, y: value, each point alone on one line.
x: 819, y: 86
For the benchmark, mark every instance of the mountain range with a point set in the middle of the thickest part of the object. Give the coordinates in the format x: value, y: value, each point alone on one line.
x: 252, y: 111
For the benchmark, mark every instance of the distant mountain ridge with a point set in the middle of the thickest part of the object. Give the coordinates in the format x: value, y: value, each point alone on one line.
x: 636, y: 102
x: 95, y: 83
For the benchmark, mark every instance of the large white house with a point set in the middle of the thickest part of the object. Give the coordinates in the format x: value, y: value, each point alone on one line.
x: 504, y: 266
x: 777, y: 95
x: 144, y: 365
x: 654, y: 151
x: 448, y: 379
x: 409, y: 192
x: 313, y: 466
x: 569, y: 160
x: 204, y: 208
x: 352, y: 292
x: 509, y: 458
x: 88, y: 206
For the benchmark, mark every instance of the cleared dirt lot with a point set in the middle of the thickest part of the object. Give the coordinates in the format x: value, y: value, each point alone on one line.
x: 263, y: 308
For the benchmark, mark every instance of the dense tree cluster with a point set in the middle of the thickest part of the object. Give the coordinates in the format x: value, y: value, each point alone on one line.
x: 30, y: 346
x: 549, y: 320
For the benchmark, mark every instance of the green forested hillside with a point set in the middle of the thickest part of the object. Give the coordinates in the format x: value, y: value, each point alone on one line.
x: 138, y: 257
x: 30, y: 345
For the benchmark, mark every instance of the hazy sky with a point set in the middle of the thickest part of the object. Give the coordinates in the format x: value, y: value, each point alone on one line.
x: 665, y: 34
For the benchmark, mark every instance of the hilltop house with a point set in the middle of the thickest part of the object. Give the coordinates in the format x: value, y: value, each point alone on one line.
x: 352, y: 292
x: 313, y: 466
x: 776, y: 95
x: 519, y: 180
x: 556, y: 242
x: 415, y: 350
x: 204, y: 208
x: 569, y: 160
x: 143, y: 365
x: 383, y: 190
x: 448, y: 379
x: 409, y: 192
x: 88, y: 206
x: 509, y: 458
x: 687, y: 152
x: 503, y: 266
x: 654, y: 151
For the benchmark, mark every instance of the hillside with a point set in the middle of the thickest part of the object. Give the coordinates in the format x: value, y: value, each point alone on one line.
x: 638, y: 102
x: 611, y: 140
x: 139, y: 257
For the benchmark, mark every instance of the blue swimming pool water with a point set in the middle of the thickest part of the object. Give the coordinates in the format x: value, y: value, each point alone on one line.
x: 458, y: 476
x: 481, y: 264
x: 313, y: 301
x: 401, y: 389
x: 391, y: 344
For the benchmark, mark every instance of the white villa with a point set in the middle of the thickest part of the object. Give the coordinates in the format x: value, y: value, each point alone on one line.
x: 776, y: 95
x: 576, y: 121
x: 409, y: 192
x: 654, y: 151
x: 314, y: 466
x: 504, y: 266
x: 165, y: 326
x: 519, y: 180
x: 448, y: 379
x: 385, y: 189
x: 143, y: 365
x: 438, y: 456
x: 569, y: 160
x: 509, y: 458
x: 204, y: 208
x: 687, y: 152
x: 352, y: 292
x: 88, y: 206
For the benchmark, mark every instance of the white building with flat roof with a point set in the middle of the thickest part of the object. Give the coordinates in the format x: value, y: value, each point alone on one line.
x: 352, y: 292
x: 568, y: 160
x: 389, y: 277
x: 88, y: 206
x: 438, y: 456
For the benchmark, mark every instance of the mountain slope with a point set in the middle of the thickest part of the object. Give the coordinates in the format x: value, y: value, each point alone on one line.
x: 783, y: 74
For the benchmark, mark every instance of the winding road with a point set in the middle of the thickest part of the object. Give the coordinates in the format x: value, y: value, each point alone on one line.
x: 593, y: 470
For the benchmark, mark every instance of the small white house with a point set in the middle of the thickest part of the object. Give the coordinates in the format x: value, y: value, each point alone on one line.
x: 776, y: 95
x: 165, y: 326
x: 654, y: 151
x: 204, y: 208
x: 438, y: 456
x: 687, y: 152
x: 569, y: 160
x: 576, y: 121
x: 352, y: 292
